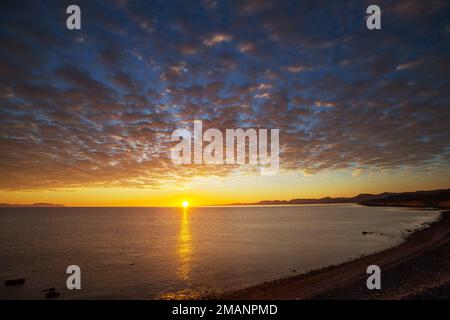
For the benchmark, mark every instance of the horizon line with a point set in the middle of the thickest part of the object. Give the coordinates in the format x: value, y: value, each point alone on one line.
x: 56, y: 205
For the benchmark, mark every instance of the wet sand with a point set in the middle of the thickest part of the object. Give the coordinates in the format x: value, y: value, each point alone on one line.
x: 419, y: 268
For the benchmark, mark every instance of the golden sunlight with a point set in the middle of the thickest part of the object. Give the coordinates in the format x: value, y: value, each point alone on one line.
x: 185, y: 204
x: 184, y: 250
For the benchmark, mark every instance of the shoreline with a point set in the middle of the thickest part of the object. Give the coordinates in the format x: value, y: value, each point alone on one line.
x: 418, y: 268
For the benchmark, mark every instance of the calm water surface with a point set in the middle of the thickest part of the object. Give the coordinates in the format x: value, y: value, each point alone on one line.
x: 148, y: 253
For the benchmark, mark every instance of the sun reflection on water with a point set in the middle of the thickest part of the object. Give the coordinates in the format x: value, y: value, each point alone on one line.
x: 184, y: 250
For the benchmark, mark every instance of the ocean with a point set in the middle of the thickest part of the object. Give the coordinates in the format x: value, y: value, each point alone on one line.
x: 174, y: 253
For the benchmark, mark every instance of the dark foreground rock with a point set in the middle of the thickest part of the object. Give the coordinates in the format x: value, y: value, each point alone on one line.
x: 15, y: 282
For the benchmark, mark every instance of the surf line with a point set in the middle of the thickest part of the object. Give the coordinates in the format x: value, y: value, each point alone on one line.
x: 235, y: 139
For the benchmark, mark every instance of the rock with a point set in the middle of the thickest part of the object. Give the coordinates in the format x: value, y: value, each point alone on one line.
x: 52, y: 294
x: 14, y: 282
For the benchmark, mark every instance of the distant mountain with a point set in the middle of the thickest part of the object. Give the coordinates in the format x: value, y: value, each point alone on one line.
x: 435, y: 198
x: 356, y: 199
x: 31, y: 205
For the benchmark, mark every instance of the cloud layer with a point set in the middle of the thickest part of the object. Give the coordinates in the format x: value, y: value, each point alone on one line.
x: 96, y: 107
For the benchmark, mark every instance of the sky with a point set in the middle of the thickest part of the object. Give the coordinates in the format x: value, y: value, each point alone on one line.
x: 86, y: 115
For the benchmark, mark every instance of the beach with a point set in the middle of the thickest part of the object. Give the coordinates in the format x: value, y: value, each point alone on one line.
x: 416, y: 269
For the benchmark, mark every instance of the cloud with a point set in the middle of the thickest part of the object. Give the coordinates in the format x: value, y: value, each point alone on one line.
x: 295, y: 68
x: 246, y: 47
x: 357, y: 172
x: 319, y: 103
x: 217, y: 38
x: 409, y: 65
x: 100, y: 112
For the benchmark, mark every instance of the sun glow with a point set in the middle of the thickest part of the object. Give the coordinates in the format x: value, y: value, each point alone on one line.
x: 185, y: 204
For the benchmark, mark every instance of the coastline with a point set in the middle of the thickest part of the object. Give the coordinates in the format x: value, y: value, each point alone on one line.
x: 418, y: 268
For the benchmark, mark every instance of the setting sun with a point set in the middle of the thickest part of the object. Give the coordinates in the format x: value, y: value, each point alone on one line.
x: 185, y: 204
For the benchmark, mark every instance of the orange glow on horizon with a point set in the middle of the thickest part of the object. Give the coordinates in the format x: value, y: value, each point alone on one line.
x: 204, y: 191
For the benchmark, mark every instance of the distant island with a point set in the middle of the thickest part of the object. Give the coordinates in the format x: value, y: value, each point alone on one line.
x: 31, y: 205
x: 434, y: 198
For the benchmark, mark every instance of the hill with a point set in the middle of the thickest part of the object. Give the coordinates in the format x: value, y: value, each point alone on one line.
x: 434, y: 198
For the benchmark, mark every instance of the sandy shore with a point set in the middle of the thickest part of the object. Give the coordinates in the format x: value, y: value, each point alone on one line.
x: 419, y: 268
